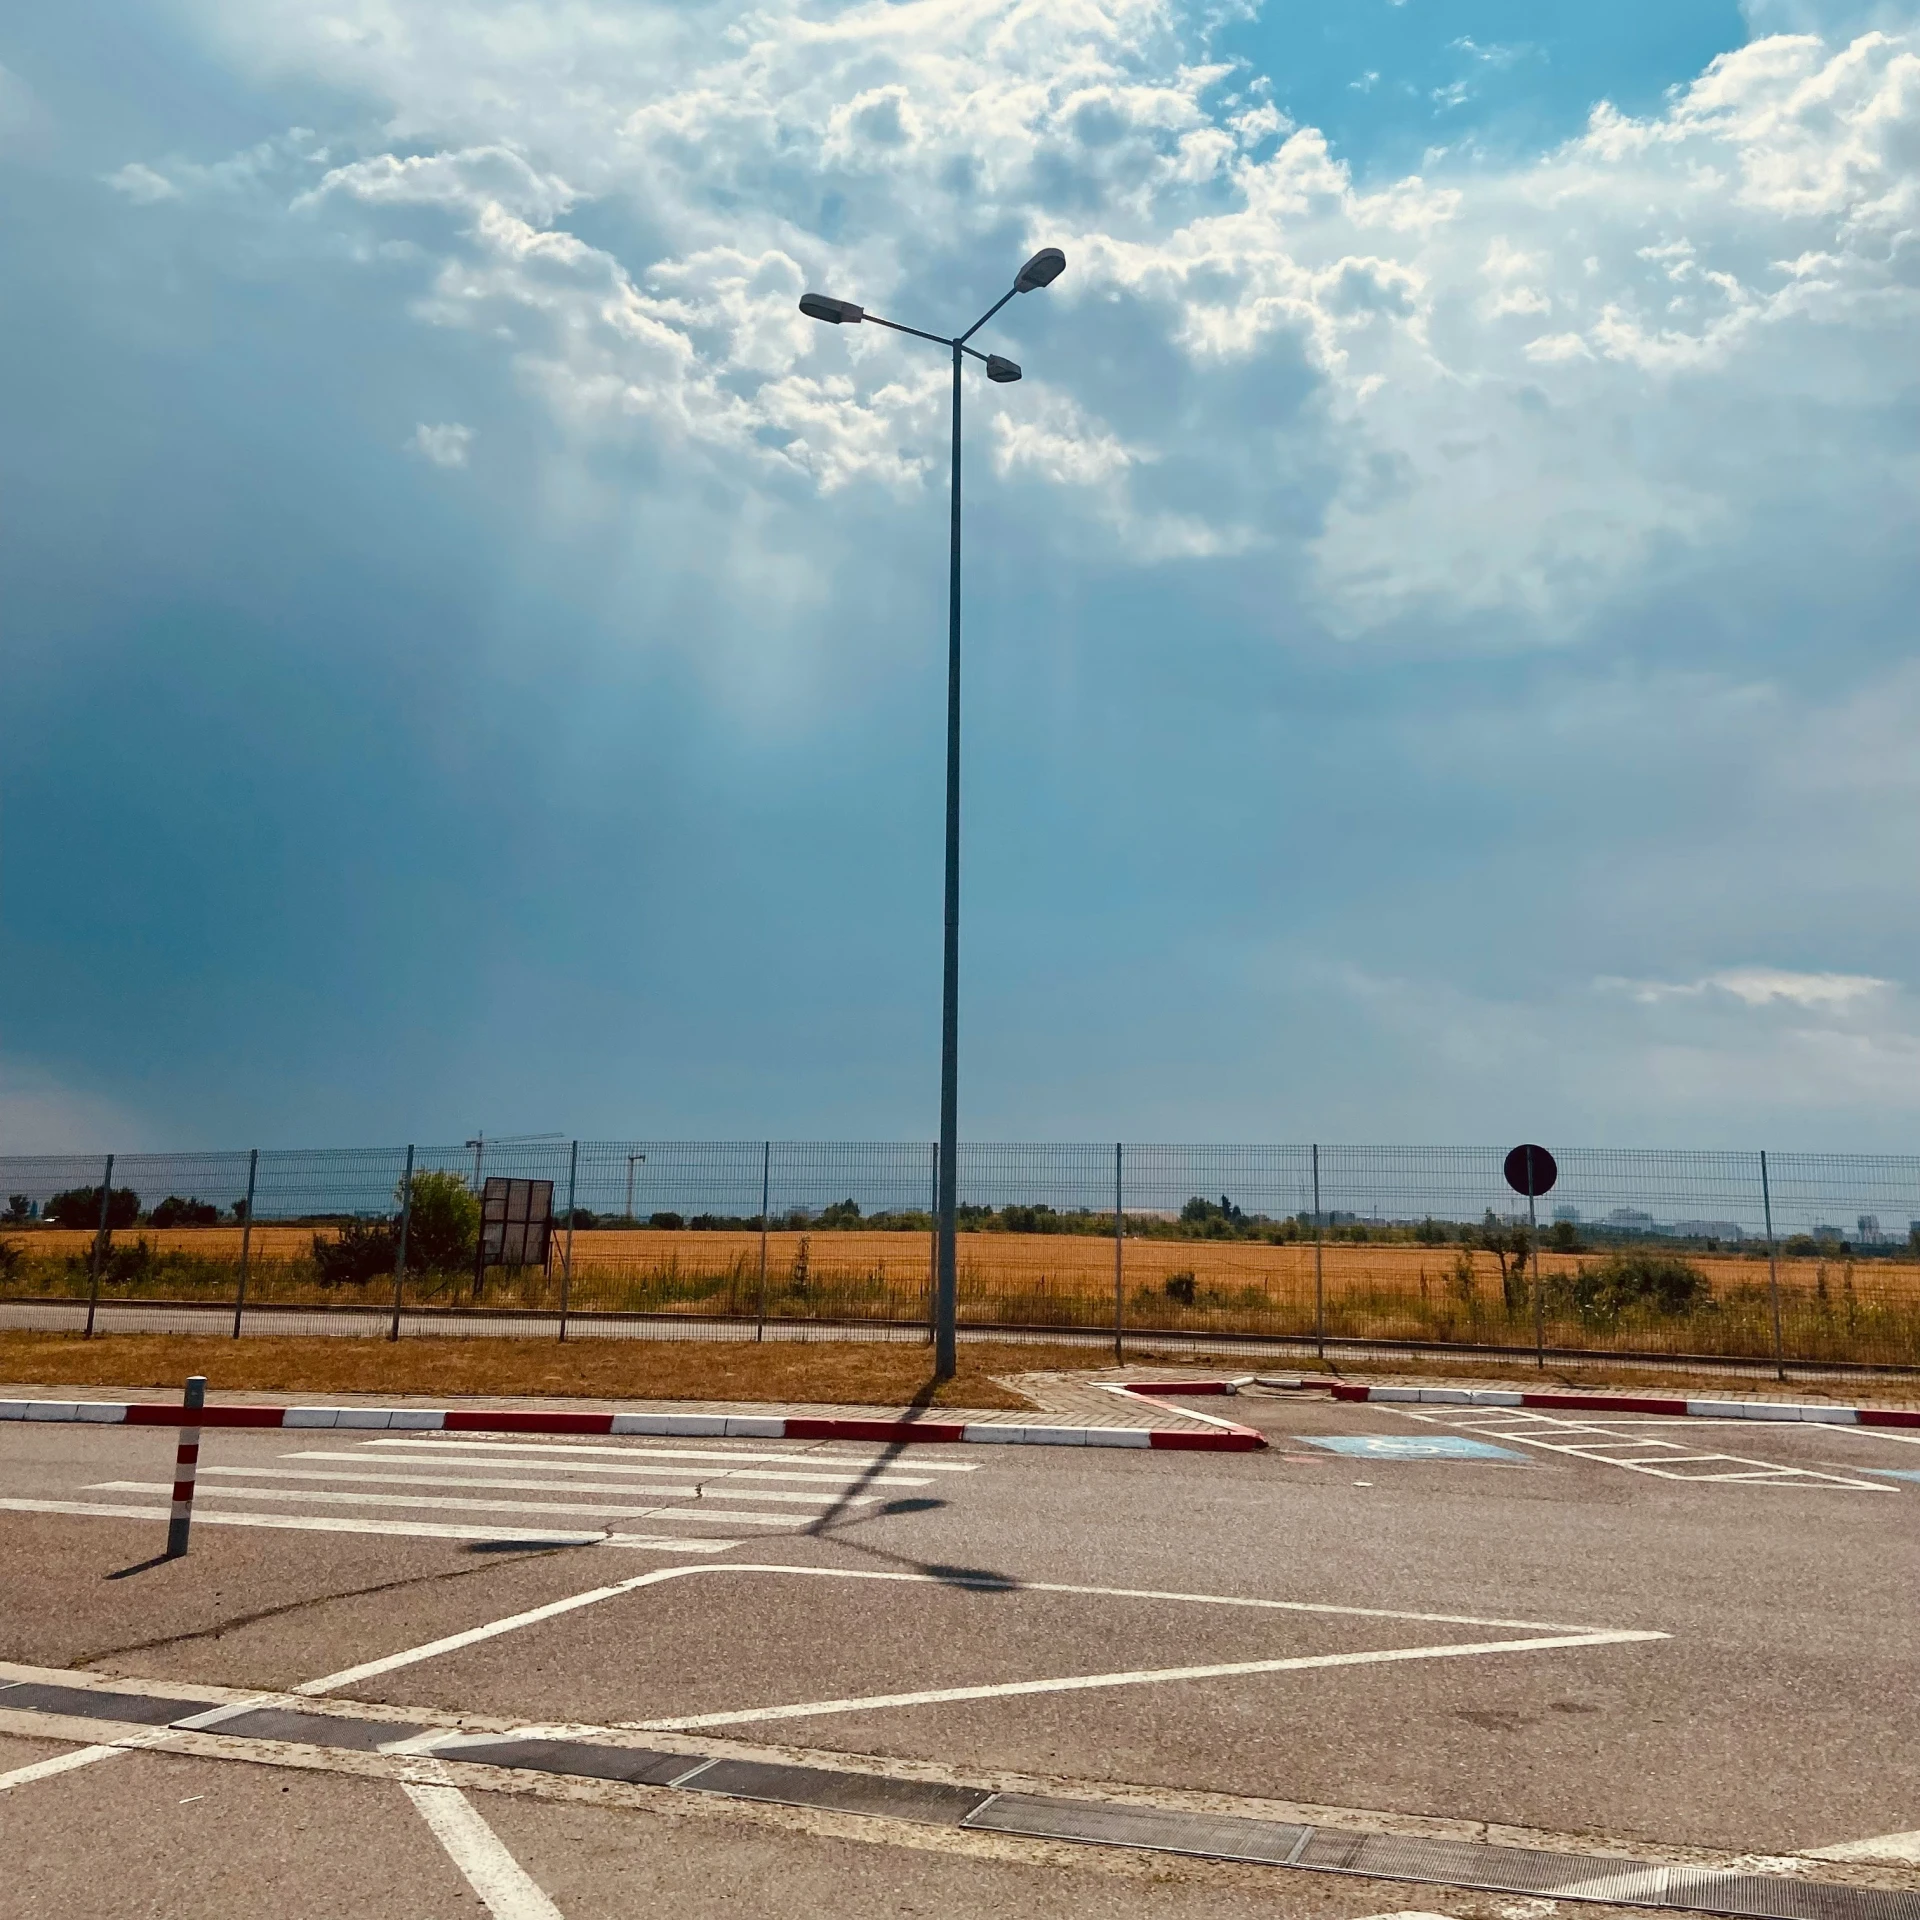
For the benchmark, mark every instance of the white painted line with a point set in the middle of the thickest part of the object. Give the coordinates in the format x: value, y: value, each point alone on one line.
x: 705, y: 1481
x: 609, y: 1509
x: 60, y: 1763
x: 1159, y: 1676
x: 858, y: 1467
x: 1890, y: 1849
x: 508, y: 1486
x: 505, y: 1887
x: 432, y: 1649
x: 400, y: 1529
x: 367, y: 1670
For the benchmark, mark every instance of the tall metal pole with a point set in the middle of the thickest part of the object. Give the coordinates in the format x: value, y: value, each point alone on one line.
x: 246, y: 1242
x: 1773, y: 1273
x: 400, y: 1252
x: 945, y: 1355
x: 1319, y: 1283
x: 933, y: 1248
x: 99, y: 1244
x: 766, y: 1198
x: 1119, y: 1261
x: 1539, y: 1296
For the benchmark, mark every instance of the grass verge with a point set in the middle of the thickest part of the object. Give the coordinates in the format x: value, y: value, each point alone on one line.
x: 842, y: 1373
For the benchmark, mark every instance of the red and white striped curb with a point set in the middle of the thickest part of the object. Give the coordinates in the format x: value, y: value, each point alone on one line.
x: 1629, y: 1403
x: 1220, y: 1435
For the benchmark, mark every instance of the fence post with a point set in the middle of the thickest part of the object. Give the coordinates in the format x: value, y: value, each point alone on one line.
x: 933, y: 1250
x: 1119, y: 1262
x: 1319, y: 1283
x: 766, y: 1200
x: 99, y: 1245
x: 246, y: 1242
x: 566, y: 1253
x: 400, y: 1253
x: 186, y: 1467
x: 1773, y: 1271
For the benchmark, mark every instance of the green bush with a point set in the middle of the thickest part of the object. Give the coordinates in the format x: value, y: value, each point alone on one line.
x: 1640, y: 1281
x: 443, y: 1225
x: 363, y: 1250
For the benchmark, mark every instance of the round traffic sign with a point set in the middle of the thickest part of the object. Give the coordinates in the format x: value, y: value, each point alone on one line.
x: 1531, y: 1170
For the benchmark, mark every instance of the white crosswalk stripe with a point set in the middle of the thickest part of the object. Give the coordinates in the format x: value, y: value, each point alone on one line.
x: 559, y: 1495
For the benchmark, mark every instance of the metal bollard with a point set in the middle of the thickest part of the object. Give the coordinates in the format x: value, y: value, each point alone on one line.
x: 185, y: 1467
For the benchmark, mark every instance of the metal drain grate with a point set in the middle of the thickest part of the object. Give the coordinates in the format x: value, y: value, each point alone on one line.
x: 839, y: 1792
x: 1220, y: 1836
x: 635, y: 1766
x: 316, y: 1729
x: 93, y: 1703
x: 1611, y: 1879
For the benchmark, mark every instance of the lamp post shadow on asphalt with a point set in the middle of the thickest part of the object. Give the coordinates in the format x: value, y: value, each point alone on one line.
x: 1042, y: 270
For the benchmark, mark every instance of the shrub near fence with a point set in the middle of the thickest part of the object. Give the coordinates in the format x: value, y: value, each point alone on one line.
x: 1669, y: 1253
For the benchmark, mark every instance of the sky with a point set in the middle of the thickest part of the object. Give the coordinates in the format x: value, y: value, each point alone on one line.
x: 1439, y: 607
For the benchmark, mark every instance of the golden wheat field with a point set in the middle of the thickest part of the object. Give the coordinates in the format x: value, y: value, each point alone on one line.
x: 996, y: 1263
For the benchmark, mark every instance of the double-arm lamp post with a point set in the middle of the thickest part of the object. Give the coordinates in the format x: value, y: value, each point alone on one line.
x: 1042, y: 270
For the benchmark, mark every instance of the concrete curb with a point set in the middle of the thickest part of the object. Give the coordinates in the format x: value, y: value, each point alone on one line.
x: 1219, y: 1436
x: 1629, y: 1403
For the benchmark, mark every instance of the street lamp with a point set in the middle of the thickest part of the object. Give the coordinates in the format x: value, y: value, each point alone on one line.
x: 1042, y: 270
x: 631, y: 1158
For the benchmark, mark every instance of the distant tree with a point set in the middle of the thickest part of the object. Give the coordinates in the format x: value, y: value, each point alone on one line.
x: 80, y: 1207
x: 443, y: 1223
x: 240, y: 1211
x: 672, y: 1222
x: 175, y: 1212
x: 1510, y: 1245
x: 1430, y: 1233
x: 842, y: 1213
x: 1563, y: 1237
x: 19, y: 1209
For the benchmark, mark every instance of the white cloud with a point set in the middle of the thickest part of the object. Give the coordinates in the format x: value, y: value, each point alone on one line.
x: 445, y: 446
x: 1516, y: 393
x: 142, y: 185
x: 1761, y: 987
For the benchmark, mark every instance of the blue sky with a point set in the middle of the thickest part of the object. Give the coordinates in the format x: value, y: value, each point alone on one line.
x: 1440, y: 636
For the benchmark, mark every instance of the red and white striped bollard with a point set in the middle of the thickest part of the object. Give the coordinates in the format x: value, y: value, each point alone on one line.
x: 186, y: 1466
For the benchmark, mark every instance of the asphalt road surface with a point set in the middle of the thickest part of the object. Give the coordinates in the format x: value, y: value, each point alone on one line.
x: 1633, y: 1636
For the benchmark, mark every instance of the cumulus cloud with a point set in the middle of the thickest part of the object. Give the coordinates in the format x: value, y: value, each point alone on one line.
x: 445, y: 446
x: 1525, y: 389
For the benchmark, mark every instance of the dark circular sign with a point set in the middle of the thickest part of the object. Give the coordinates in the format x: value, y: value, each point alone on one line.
x: 1530, y: 1170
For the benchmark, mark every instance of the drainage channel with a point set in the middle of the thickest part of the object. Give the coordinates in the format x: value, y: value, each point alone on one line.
x: 1609, y: 1879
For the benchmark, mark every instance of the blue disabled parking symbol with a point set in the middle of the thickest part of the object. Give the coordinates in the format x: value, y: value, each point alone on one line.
x: 1412, y: 1446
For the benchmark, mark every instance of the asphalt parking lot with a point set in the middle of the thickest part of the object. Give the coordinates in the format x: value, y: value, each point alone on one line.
x: 1625, y: 1635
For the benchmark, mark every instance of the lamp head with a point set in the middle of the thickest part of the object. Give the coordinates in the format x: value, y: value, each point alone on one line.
x: 1042, y: 270
x: 1004, y: 371
x: 823, y: 306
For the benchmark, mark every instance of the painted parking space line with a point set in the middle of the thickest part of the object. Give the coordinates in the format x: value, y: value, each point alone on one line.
x: 1586, y: 1439
x: 503, y: 1885
x: 1888, y: 1849
x: 1891, y: 1473
x: 1411, y: 1446
x: 553, y: 1609
x: 1145, y: 1677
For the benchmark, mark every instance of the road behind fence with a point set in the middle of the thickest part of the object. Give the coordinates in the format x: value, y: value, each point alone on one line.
x: 1781, y: 1257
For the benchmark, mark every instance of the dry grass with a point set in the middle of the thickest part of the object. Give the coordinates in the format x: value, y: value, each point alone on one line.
x: 844, y: 1373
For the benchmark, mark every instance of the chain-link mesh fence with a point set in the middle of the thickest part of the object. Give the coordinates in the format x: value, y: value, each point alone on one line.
x: 1794, y: 1257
